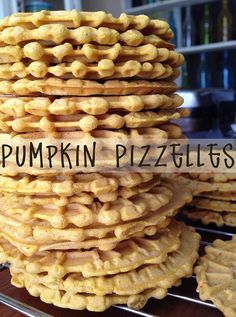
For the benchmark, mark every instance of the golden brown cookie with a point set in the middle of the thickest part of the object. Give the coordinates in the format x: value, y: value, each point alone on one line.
x: 33, y: 236
x: 104, y: 69
x: 158, y: 278
x: 51, y: 34
x: 45, y: 106
x: 127, y: 255
x: 215, y: 275
x: 74, y: 19
x: 57, y: 123
x: 90, y: 53
x: 213, y: 204
x: 78, y: 87
x: 208, y: 217
x: 95, y: 214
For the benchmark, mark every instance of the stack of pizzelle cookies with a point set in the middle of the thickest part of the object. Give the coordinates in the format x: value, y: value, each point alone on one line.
x: 88, y: 241
x: 214, y: 198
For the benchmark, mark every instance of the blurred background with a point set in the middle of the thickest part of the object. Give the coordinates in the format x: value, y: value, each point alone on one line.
x: 205, y: 33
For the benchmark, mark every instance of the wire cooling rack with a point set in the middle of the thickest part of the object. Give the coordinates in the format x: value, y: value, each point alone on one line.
x: 186, y: 292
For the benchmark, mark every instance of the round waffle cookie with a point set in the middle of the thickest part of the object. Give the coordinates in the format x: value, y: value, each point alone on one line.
x: 90, y: 53
x: 48, y: 238
x: 79, y: 215
x: 197, y: 186
x: 36, y: 236
x: 105, y: 139
x: 81, y: 198
x: 74, y: 19
x: 120, y: 284
x: 98, y: 184
x: 213, y: 204
x: 126, y: 256
x: 77, y: 87
x: 227, y: 196
x: 52, y: 34
x: 16, y: 200
x: 214, y: 177
x: 44, y: 106
x: 103, y: 69
x: 145, y: 282
x: 208, y: 216
x: 215, y: 275
x: 87, y: 123
x: 29, y: 246
x: 226, y: 187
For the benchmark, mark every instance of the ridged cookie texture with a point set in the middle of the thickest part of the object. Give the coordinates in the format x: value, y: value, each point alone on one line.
x: 127, y: 255
x: 214, y: 200
x: 78, y: 87
x: 90, y: 53
x: 76, y: 237
x: 44, y: 106
x: 97, y: 293
x: 215, y: 275
x: 75, y: 19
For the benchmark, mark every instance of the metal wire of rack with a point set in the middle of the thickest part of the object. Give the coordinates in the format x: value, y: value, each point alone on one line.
x: 208, y: 235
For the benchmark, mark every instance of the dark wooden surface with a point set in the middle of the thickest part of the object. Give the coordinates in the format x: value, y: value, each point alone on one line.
x: 169, y: 307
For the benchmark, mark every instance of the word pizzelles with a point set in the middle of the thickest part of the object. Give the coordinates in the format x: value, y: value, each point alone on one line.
x: 164, y: 157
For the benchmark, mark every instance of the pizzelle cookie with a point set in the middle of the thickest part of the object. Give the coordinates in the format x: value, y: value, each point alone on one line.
x: 29, y: 246
x: 199, y: 187
x: 207, y: 217
x: 58, y: 33
x: 16, y: 200
x: 140, y: 279
x: 87, y: 123
x: 69, y: 185
x: 90, y: 53
x: 225, y: 187
x: 103, y: 69
x: 126, y: 256
x: 42, y: 233
x: 213, y: 204
x: 74, y: 213
x: 227, y: 196
x: 214, y: 199
x: 74, y: 19
x: 158, y: 278
x: 78, y: 87
x: 33, y: 236
x: 105, y: 138
x: 214, y: 177
x: 43, y: 106
x: 215, y: 275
